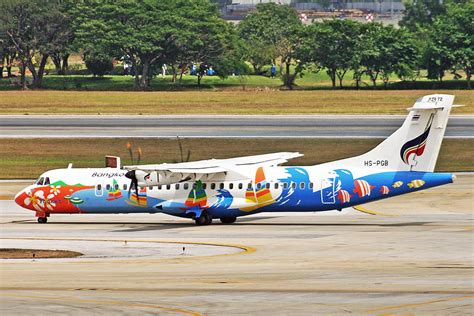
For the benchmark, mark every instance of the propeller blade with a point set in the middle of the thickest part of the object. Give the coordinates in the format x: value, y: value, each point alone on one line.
x: 180, y: 148
x: 188, y: 156
x: 129, y: 147
x: 139, y: 155
x: 133, y: 183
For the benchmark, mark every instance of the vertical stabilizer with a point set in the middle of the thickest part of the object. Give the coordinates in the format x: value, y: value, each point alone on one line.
x: 415, y: 145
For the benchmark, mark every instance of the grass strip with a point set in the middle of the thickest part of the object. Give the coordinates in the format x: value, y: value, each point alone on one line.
x: 28, y: 158
x: 221, y: 102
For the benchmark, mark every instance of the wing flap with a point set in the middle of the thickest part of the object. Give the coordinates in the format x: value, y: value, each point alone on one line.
x: 218, y: 165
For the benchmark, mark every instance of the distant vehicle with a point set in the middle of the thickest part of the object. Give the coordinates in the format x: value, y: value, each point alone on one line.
x: 228, y: 188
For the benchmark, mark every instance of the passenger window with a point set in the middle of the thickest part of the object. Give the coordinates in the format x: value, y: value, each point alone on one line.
x: 267, y: 185
x: 98, y: 190
x: 231, y: 186
x: 285, y: 185
x: 241, y: 186
x: 168, y: 186
x: 204, y: 186
x: 213, y: 186
x: 159, y: 186
x: 302, y: 185
x: 311, y: 185
x: 116, y: 186
x: 176, y: 186
x: 46, y: 181
x: 276, y: 185
x: 293, y: 185
x: 125, y: 187
x: 186, y: 186
x: 259, y: 185
x: 107, y: 187
x: 150, y: 188
x: 221, y: 186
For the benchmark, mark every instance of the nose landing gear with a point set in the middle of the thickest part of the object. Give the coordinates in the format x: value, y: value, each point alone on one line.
x: 42, y: 217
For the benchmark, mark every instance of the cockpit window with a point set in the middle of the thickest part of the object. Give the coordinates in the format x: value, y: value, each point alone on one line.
x: 40, y: 181
x: 46, y: 181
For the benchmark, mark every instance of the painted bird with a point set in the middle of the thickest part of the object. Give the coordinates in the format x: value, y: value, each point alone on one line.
x: 415, y: 184
x: 397, y: 184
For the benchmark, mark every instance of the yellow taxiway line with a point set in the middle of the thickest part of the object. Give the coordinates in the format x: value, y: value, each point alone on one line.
x: 246, y: 249
x: 106, y: 302
x: 449, y: 299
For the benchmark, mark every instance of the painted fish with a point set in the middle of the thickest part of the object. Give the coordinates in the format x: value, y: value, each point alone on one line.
x: 397, y: 184
x: 344, y: 196
x: 384, y: 189
x: 415, y: 184
x: 362, y: 188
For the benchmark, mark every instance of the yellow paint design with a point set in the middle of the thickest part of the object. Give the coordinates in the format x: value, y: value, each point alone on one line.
x: 364, y: 210
x: 101, y: 302
x: 449, y: 299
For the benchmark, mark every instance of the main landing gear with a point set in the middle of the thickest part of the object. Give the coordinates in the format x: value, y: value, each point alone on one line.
x: 204, y: 219
x: 228, y: 220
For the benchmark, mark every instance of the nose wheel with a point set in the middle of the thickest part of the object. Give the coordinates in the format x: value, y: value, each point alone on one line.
x: 42, y: 220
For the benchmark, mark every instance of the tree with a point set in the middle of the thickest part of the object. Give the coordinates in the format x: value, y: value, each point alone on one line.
x: 35, y: 28
x: 451, y: 42
x: 273, y: 31
x: 386, y: 50
x: 7, y: 55
x: 151, y: 33
x: 333, y: 45
x: 98, y: 64
x: 420, y: 14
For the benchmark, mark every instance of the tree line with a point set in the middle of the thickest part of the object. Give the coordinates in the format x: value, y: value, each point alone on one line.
x: 146, y: 34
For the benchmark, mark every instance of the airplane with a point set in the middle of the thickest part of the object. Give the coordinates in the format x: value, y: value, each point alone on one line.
x: 225, y: 189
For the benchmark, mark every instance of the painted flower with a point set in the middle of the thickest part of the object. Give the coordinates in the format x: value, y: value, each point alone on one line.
x: 55, y: 189
x: 36, y: 200
x: 50, y: 204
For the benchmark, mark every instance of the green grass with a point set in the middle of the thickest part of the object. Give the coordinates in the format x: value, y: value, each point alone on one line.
x: 310, y: 80
x: 28, y: 158
x: 220, y: 102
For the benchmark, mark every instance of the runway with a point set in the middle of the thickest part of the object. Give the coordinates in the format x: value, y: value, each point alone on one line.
x: 226, y: 126
x: 415, y: 259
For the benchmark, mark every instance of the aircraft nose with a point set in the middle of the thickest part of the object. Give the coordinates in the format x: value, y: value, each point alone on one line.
x: 20, y: 198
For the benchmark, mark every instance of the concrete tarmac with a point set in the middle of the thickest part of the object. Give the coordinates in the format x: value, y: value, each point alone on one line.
x: 416, y: 257
x: 287, y: 126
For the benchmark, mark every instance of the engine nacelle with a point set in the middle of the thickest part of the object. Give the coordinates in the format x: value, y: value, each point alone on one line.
x: 154, y: 178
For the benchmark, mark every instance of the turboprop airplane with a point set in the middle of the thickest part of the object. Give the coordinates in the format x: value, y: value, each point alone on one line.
x: 228, y: 188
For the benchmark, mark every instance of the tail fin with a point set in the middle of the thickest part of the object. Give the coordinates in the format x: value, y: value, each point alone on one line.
x: 415, y: 145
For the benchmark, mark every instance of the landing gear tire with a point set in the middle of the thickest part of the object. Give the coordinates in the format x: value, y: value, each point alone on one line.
x: 42, y: 220
x: 204, y: 219
x: 228, y: 220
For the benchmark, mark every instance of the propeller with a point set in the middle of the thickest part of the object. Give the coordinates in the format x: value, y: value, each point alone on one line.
x: 132, y: 173
x: 188, y: 154
x: 133, y: 183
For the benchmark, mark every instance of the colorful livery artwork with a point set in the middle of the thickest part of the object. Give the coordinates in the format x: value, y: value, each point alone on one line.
x: 228, y: 188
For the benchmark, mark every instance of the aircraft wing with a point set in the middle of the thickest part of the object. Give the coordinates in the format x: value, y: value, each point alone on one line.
x: 218, y: 165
